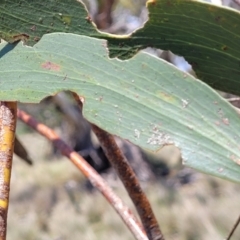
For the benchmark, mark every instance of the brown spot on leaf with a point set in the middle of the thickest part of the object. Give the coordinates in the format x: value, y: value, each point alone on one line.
x: 36, y: 39
x: 166, y: 97
x: 65, y: 77
x: 235, y: 159
x: 51, y: 66
x: 89, y: 19
x: 33, y: 28
x: 82, y: 99
x: 20, y: 37
x: 218, y: 19
x: 225, y: 121
x: 224, y: 48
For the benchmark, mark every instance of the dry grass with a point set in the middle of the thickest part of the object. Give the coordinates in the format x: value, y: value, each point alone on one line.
x: 42, y: 209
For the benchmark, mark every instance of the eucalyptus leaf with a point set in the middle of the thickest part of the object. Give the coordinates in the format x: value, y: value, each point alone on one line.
x: 206, y: 35
x: 144, y: 99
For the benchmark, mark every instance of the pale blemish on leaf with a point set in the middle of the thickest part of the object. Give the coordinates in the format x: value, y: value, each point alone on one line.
x: 66, y: 19
x: 220, y: 170
x: 51, y: 66
x: 225, y: 121
x: 190, y: 127
x: 82, y: 99
x: 159, y: 138
x: 235, y: 159
x: 166, y: 97
x: 184, y: 103
x: 136, y: 133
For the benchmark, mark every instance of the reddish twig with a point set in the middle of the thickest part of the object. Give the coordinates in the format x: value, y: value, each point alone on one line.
x: 237, y: 2
x: 233, y: 229
x: 8, y: 118
x: 89, y: 172
x: 129, y: 179
x: 104, y: 18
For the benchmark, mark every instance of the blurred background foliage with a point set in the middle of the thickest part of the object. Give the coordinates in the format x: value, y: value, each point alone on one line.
x: 52, y: 200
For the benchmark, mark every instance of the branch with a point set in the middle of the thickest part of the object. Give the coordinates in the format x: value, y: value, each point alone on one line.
x: 129, y: 179
x: 89, y: 172
x: 235, y: 101
x: 131, y: 183
x: 237, y: 2
x: 233, y: 229
x: 8, y: 116
x: 21, y: 152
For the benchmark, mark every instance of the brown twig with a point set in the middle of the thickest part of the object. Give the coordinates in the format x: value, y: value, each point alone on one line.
x: 233, y: 228
x: 235, y: 101
x: 237, y: 2
x: 104, y: 18
x: 129, y: 179
x: 21, y: 152
x: 89, y: 172
x: 8, y: 116
x: 130, y: 182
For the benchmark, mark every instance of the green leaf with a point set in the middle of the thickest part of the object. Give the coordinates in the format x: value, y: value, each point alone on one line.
x: 35, y: 18
x: 208, y: 36
x: 145, y: 100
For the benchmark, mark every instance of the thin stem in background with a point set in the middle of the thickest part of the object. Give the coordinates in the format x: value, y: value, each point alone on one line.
x: 8, y: 116
x: 129, y: 179
x: 96, y: 180
x: 131, y: 183
x: 21, y: 152
x: 237, y: 2
x: 233, y: 229
x: 234, y: 99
